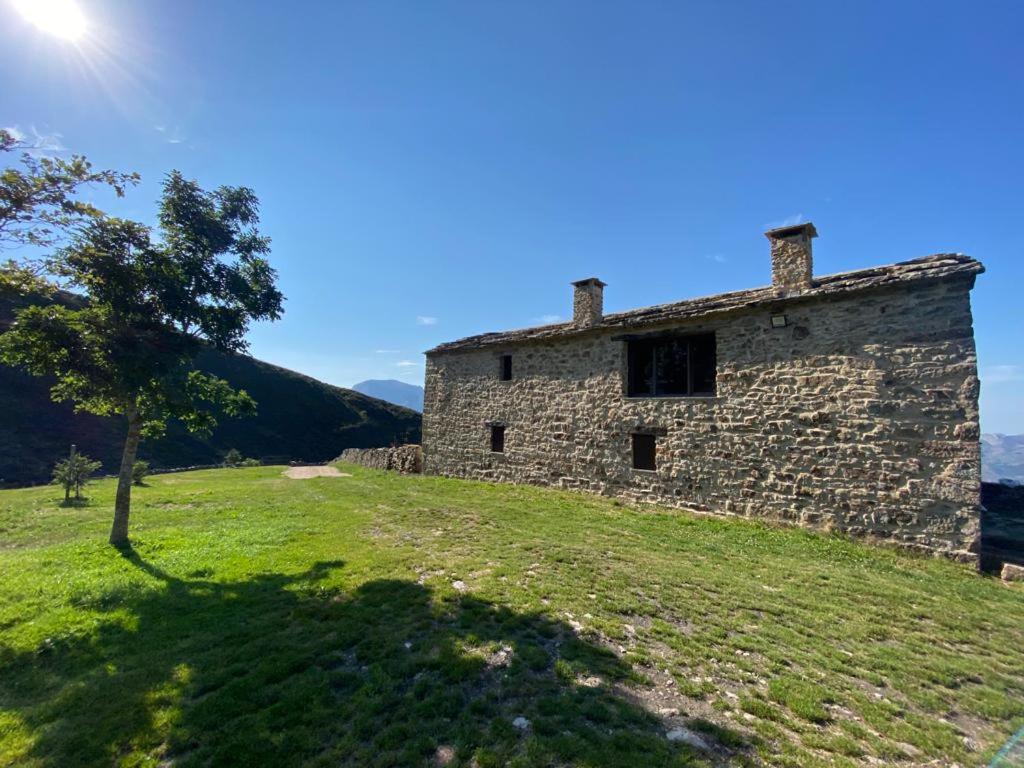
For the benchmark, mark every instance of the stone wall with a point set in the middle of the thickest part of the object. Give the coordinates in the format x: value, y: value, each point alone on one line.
x: 792, y: 261
x: 861, y: 416
x: 587, y: 302
x: 407, y: 459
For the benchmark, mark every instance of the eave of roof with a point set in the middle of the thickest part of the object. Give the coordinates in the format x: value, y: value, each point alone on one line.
x: 935, y: 267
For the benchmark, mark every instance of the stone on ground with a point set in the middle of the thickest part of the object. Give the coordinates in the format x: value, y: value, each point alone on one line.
x: 688, y: 737
x: 1013, y: 572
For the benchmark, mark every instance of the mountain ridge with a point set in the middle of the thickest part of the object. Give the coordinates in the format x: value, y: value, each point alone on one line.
x: 1002, y: 457
x: 393, y: 391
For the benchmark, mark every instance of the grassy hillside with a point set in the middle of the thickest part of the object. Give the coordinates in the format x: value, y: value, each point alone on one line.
x: 394, y: 391
x: 299, y: 418
x: 387, y: 620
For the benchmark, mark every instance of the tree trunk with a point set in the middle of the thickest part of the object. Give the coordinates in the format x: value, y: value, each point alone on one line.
x: 123, y: 500
x: 67, y: 486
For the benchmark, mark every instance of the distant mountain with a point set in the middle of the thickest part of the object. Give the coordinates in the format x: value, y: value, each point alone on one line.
x: 397, y: 392
x: 1002, y: 457
x: 298, y: 418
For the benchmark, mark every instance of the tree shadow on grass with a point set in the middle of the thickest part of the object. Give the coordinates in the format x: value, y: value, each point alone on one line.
x: 80, y: 501
x: 283, y: 670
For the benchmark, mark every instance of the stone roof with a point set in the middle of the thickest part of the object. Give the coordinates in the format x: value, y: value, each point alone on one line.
x: 935, y: 267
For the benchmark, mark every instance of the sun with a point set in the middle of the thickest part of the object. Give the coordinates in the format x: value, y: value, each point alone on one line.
x: 62, y: 18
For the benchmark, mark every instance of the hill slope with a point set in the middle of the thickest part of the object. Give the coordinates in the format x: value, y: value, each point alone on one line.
x: 394, y: 391
x: 381, y: 620
x: 299, y: 418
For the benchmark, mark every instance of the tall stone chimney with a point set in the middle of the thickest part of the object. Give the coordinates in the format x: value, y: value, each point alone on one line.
x: 792, y: 264
x: 587, y: 302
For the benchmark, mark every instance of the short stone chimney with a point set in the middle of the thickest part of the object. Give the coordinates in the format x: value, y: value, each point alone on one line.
x: 792, y: 264
x: 587, y: 302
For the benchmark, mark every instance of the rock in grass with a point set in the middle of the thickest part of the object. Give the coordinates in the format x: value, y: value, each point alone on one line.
x: 1013, y: 572
x: 501, y: 658
x: 445, y: 754
x: 521, y: 723
x: 695, y: 740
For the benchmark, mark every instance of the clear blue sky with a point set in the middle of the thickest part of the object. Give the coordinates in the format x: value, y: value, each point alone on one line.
x: 429, y: 170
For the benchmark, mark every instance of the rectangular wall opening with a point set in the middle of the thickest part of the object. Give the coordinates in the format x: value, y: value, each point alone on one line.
x: 506, y: 368
x: 644, y: 451
x: 672, y: 366
x: 497, y: 439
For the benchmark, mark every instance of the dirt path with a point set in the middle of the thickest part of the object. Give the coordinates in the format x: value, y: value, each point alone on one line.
x: 304, y: 473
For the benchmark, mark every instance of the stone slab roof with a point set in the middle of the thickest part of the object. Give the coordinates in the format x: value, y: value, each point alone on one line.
x: 935, y: 267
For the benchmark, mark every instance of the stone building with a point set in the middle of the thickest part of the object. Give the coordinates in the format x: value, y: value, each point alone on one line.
x: 847, y: 402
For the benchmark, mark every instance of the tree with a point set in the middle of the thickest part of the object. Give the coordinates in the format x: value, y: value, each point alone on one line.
x: 150, y: 306
x: 38, y: 202
x: 140, y: 470
x: 73, y: 473
x: 232, y: 458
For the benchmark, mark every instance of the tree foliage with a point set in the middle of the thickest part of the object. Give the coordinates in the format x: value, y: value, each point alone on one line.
x: 73, y: 473
x: 140, y: 471
x: 151, y: 305
x: 39, y: 202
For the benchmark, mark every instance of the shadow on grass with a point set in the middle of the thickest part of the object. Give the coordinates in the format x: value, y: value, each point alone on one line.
x: 81, y: 501
x: 284, y: 670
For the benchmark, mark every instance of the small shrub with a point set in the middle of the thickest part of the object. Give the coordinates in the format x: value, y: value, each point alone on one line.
x: 250, y: 463
x: 140, y: 470
x: 73, y: 473
x: 233, y: 458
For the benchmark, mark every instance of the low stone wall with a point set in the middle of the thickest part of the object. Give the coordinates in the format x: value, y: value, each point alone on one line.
x: 407, y: 459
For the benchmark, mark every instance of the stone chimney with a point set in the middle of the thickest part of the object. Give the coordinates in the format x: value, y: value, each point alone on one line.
x: 587, y: 302
x: 792, y: 265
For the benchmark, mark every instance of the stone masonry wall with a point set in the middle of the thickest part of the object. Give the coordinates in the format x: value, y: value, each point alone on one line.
x: 861, y: 415
x: 588, y: 303
x: 407, y: 459
x: 792, y: 263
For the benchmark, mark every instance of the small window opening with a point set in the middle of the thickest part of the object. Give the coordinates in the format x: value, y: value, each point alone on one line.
x: 497, y: 439
x: 506, y: 367
x: 643, y: 451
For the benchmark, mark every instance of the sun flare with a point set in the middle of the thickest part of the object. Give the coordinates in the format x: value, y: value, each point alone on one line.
x: 62, y: 18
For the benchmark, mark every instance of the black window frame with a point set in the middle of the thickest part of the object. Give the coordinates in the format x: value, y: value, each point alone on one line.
x: 497, y: 438
x: 644, y: 351
x: 505, y: 368
x: 642, y: 446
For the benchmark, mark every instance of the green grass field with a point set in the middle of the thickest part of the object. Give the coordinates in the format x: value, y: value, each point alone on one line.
x: 386, y: 620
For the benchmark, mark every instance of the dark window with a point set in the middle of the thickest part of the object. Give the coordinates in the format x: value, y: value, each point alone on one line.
x: 506, y: 367
x: 497, y: 439
x: 672, y: 366
x: 643, y: 451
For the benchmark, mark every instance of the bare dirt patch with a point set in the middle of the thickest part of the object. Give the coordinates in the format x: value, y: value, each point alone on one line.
x: 304, y: 473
